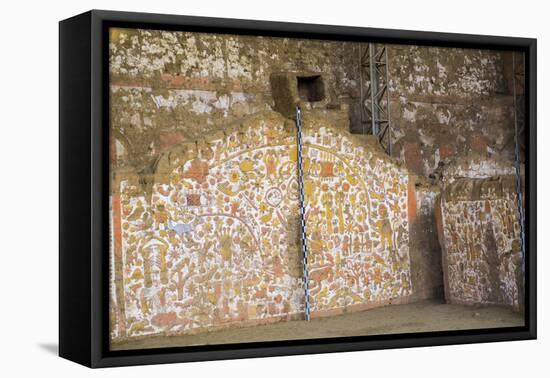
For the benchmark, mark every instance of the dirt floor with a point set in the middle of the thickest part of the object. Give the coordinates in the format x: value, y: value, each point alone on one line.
x: 416, y: 317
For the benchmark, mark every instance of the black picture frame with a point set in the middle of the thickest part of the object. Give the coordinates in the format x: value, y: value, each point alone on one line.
x: 83, y: 196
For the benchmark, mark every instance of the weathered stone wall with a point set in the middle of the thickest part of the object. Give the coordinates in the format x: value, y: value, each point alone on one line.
x: 172, y: 86
x: 447, y: 103
x: 216, y: 243
x: 167, y: 87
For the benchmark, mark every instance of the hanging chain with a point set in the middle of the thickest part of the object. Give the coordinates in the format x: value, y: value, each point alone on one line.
x: 302, y: 209
x: 518, y: 170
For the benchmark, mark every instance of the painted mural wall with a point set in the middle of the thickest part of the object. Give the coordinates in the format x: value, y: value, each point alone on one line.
x: 480, y: 235
x: 213, y: 239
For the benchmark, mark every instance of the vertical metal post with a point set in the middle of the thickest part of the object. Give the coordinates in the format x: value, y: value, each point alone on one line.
x: 362, y: 98
x: 518, y: 169
x: 375, y: 100
x: 302, y: 209
x: 373, y: 88
x: 388, y: 99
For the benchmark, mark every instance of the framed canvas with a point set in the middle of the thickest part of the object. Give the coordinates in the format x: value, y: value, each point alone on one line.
x: 234, y: 188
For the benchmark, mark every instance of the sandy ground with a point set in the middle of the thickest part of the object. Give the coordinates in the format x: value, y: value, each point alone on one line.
x: 415, y: 317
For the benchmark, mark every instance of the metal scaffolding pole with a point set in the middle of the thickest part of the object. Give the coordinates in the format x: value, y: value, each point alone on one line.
x: 375, y: 100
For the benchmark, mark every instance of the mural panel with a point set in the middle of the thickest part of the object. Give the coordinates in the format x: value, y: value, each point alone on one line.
x: 481, y: 240
x: 213, y: 240
x: 356, y: 221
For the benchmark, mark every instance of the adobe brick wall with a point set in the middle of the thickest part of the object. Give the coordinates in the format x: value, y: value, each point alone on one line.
x: 173, y: 86
x: 448, y: 103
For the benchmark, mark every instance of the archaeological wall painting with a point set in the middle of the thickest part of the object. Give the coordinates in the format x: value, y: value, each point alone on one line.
x: 205, y: 210
x: 215, y: 242
x: 480, y: 235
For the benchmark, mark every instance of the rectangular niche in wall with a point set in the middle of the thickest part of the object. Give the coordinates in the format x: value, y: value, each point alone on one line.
x: 311, y: 88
